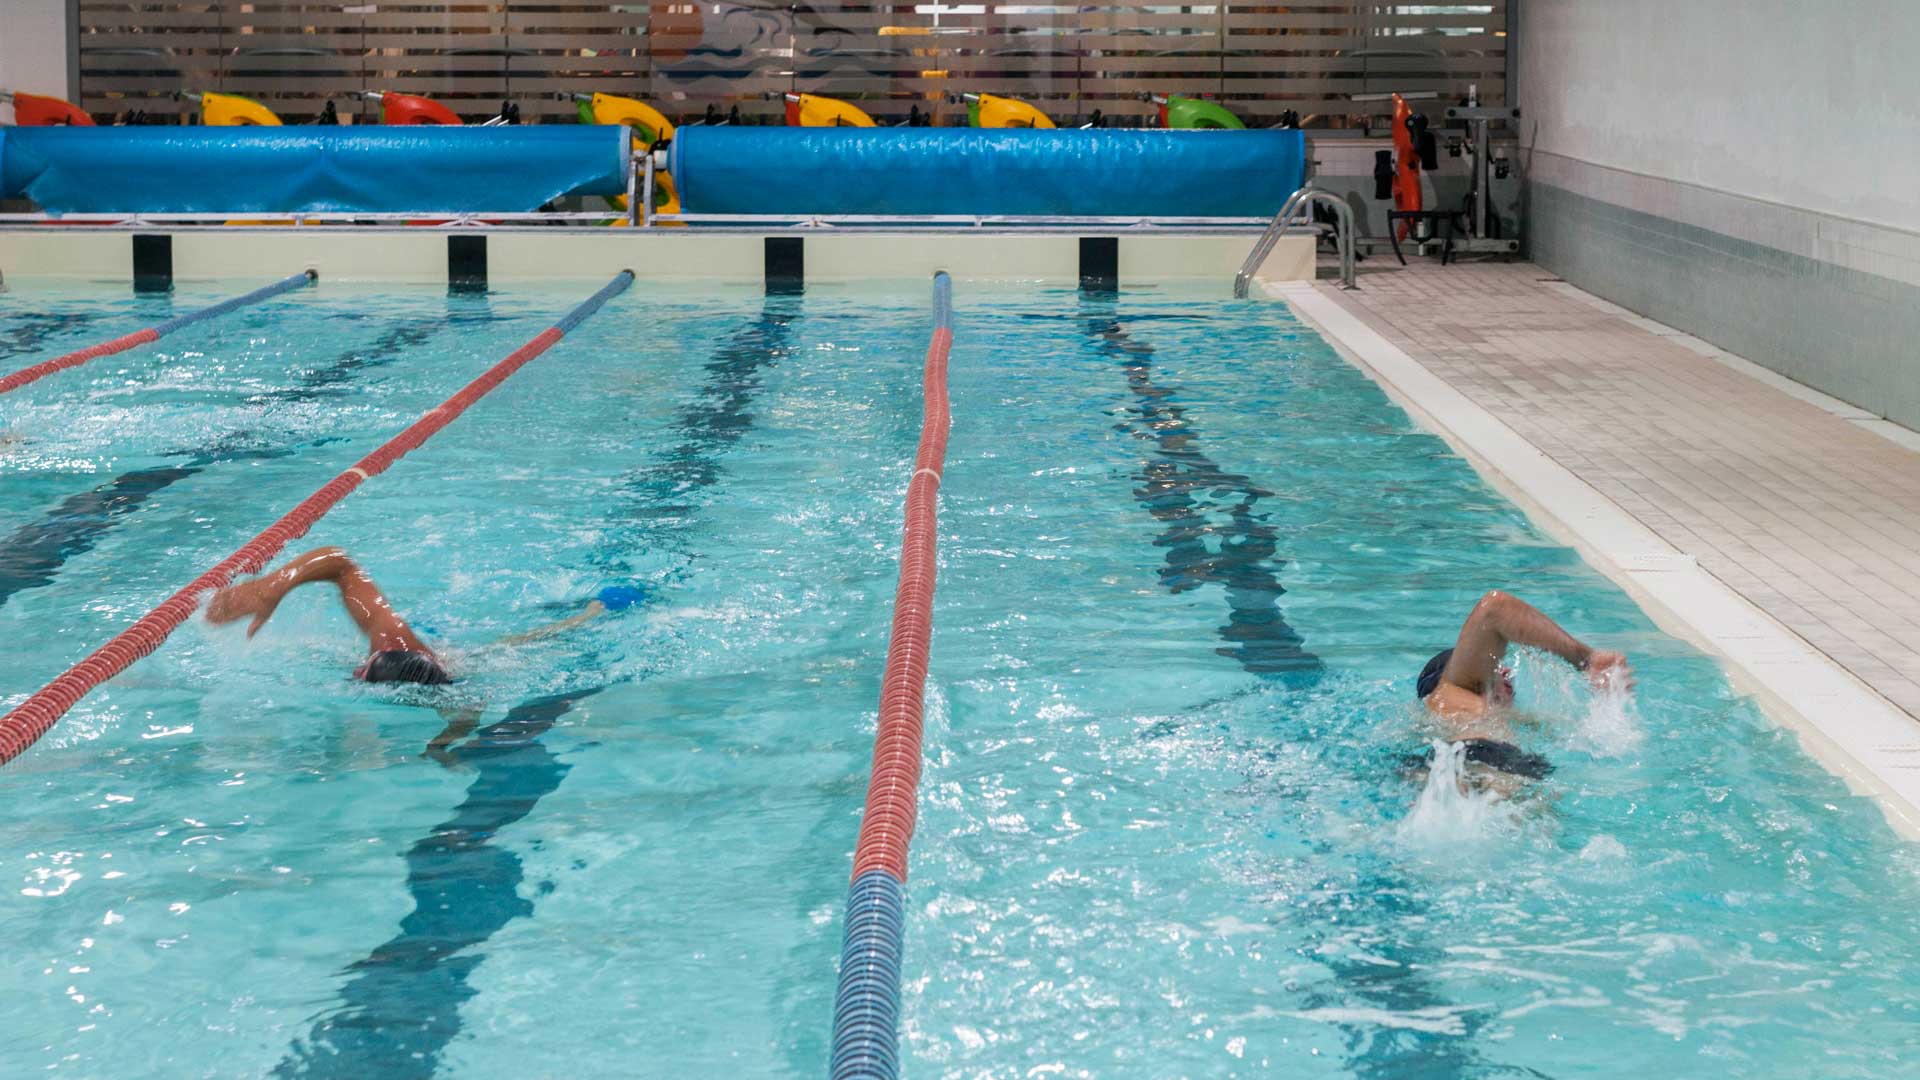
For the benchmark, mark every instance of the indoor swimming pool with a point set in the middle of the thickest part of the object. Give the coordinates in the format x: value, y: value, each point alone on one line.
x: 1190, y: 561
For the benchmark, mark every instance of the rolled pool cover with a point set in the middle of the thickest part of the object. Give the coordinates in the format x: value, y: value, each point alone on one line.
x: 914, y: 171
x: 371, y: 169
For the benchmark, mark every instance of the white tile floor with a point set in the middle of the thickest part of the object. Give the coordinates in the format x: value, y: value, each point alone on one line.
x: 1803, y: 505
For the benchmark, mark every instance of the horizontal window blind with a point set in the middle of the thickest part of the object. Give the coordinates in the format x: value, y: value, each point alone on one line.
x: 1258, y: 59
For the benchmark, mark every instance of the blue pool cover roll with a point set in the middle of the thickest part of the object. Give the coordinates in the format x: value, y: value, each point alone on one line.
x: 372, y: 169
x: 1076, y: 173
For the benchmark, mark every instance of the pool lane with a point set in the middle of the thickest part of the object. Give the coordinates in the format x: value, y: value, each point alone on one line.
x: 401, y: 1007
x: 34, y: 554
x: 1194, y: 499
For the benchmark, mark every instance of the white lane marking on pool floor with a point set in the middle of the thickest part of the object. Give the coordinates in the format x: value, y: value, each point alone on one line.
x: 1843, y: 723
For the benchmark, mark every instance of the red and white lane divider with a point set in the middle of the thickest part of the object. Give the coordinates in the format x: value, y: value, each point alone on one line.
x: 36, y: 372
x: 35, y: 716
x: 866, y: 1011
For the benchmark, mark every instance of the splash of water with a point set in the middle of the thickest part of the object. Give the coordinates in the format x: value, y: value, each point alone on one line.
x: 1603, y: 720
x: 1451, y: 810
x: 1610, y: 727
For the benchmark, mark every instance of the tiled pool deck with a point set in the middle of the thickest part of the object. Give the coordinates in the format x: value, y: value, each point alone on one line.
x: 1806, y: 508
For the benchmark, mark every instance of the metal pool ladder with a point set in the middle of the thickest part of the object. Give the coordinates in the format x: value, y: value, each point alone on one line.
x: 1304, y: 198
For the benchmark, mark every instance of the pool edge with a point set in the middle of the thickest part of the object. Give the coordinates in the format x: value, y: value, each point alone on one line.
x: 1845, y: 725
x: 507, y: 256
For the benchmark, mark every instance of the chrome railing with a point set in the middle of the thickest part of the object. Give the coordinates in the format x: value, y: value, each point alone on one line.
x: 1282, y: 221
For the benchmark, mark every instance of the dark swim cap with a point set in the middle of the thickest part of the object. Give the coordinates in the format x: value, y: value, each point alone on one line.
x: 405, y: 665
x: 621, y: 597
x: 1430, y: 675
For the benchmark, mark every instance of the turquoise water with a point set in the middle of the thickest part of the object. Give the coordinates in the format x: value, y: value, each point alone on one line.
x: 1190, y: 562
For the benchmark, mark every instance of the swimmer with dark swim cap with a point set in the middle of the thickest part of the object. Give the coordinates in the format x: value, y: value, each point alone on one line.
x: 1468, y: 687
x: 394, y: 652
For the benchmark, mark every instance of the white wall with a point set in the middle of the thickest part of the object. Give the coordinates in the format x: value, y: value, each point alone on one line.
x: 33, y: 48
x: 1810, y: 103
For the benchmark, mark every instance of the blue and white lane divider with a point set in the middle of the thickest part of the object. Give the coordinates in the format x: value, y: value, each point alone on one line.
x: 304, y: 277
x: 18, y: 379
x: 866, y: 1007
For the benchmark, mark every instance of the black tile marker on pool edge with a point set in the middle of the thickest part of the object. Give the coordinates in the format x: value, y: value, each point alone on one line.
x: 152, y: 262
x: 466, y: 264
x: 786, y: 258
x: 1100, y: 263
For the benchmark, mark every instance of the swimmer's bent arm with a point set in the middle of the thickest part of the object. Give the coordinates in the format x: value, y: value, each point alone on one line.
x: 369, y: 608
x: 1501, y: 619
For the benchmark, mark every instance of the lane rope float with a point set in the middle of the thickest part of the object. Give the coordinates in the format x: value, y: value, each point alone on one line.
x: 36, y: 715
x: 866, y: 1007
x: 36, y: 372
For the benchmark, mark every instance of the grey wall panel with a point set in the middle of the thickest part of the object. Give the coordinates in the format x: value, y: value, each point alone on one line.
x: 1850, y: 334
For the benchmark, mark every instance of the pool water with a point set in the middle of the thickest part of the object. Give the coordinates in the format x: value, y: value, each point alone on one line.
x: 1190, y: 563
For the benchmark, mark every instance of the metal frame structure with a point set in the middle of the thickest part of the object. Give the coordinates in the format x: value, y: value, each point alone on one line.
x: 1480, y: 118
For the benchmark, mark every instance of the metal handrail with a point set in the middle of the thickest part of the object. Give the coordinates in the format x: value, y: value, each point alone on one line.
x: 1269, y: 237
x: 1282, y: 221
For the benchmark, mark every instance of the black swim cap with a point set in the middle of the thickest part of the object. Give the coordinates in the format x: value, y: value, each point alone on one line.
x: 405, y: 665
x: 1430, y: 675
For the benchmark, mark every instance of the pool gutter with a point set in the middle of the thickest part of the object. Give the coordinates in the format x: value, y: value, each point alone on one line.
x: 1844, y: 724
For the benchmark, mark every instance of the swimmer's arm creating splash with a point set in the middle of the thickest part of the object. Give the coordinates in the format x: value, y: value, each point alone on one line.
x: 1468, y: 680
x: 1501, y: 619
x: 368, y: 606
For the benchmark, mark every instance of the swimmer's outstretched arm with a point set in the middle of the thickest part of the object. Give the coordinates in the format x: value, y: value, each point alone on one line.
x: 594, y: 610
x: 1499, y: 620
x: 364, y: 601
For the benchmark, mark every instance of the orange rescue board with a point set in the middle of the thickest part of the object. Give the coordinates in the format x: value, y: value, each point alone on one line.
x: 1406, y: 163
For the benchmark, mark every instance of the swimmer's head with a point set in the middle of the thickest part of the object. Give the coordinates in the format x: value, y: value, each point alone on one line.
x: 1500, y: 692
x: 405, y: 666
x: 621, y: 597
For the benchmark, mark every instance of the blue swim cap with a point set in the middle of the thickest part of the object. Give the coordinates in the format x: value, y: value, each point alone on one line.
x: 621, y: 597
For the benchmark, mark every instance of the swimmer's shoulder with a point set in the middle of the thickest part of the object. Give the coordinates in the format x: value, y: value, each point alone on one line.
x: 1452, y: 702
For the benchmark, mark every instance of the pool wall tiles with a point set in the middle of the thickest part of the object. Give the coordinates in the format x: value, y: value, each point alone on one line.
x: 532, y: 254
x: 1826, y: 301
